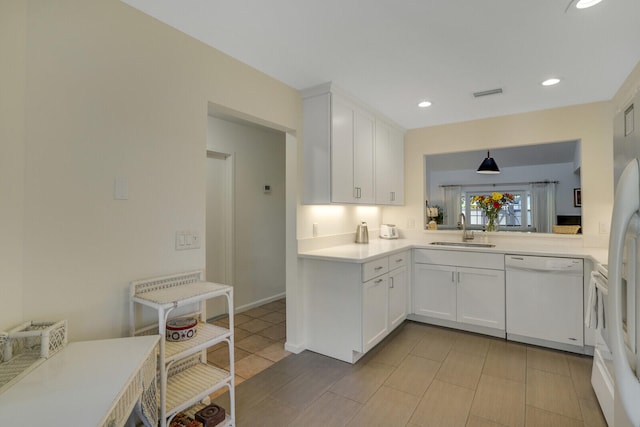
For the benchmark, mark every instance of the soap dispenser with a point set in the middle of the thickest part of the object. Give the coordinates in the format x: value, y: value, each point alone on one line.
x: 362, y: 233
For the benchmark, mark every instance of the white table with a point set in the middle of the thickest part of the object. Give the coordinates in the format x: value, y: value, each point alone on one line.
x: 87, y: 383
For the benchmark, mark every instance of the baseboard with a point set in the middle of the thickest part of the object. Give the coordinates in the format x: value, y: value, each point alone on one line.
x: 294, y: 348
x: 247, y: 307
x: 258, y: 303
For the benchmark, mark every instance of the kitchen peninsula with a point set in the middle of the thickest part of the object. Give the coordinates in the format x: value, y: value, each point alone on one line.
x: 356, y: 294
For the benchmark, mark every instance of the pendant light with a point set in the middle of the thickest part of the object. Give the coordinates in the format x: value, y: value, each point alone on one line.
x: 488, y: 166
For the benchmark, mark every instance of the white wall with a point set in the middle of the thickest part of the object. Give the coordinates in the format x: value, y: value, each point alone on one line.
x: 110, y: 92
x: 589, y: 123
x: 259, y: 252
x: 12, y: 162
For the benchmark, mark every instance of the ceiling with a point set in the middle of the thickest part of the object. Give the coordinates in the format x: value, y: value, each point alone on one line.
x: 392, y: 54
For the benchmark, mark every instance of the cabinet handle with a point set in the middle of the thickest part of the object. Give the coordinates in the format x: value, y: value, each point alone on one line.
x: 458, y: 277
x: 392, y: 196
x: 378, y: 281
x: 391, y: 283
x: 453, y: 278
x: 378, y: 268
x: 355, y: 192
x: 359, y: 193
x: 399, y: 260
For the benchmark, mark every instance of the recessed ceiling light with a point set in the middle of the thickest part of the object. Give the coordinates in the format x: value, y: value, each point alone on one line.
x: 551, y: 82
x: 424, y: 104
x: 583, y: 4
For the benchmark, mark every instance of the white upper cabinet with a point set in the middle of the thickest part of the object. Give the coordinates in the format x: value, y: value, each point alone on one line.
x: 389, y: 164
x: 340, y: 149
x: 352, y: 132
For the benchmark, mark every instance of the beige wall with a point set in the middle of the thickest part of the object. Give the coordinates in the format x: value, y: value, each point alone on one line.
x: 111, y: 92
x: 12, y: 86
x: 590, y: 123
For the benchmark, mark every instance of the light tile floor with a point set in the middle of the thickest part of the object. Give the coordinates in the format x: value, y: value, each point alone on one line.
x: 259, y: 341
x: 421, y: 376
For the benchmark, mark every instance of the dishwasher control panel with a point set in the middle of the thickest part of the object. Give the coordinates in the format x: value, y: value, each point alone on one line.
x: 542, y: 263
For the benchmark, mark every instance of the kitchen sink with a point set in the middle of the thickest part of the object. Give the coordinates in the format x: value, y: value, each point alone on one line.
x: 464, y: 244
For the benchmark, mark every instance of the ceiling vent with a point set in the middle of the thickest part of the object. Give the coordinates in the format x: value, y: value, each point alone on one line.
x: 487, y: 92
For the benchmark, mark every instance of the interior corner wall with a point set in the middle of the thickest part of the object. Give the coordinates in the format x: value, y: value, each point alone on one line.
x: 259, y: 250
x: 12, y: 87
x: 111, y: 93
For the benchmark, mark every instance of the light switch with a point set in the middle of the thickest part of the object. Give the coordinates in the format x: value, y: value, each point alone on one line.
x: 187, y: 240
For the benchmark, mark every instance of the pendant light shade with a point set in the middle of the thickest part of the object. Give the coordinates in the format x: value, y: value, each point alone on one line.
x: 488, y: 166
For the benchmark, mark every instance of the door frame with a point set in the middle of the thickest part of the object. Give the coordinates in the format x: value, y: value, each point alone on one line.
x: 229, y: 212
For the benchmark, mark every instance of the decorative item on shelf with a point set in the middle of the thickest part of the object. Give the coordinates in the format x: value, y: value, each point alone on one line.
x: 182, y: 420
x: 211, y: 415
x: 433, y: 214
x: 181, y: 329
x: 492, y: 205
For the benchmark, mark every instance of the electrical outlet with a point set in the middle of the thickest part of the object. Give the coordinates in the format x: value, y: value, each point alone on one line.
x: 315, y: 229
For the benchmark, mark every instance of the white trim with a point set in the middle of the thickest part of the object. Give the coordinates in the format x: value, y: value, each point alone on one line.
x: 247, y: 307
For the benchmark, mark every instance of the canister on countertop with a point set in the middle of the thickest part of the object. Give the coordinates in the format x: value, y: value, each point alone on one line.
x: 362, y: 233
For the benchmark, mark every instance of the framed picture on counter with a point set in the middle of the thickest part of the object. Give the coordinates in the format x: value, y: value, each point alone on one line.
x: 577, y: 198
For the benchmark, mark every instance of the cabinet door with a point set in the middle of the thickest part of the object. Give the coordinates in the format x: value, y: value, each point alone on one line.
x: 481, y: 297
x: 398, y: 285
x: 342, y: 152
x: 363, y: 157
x: 434, y: 291
x: 389, y: 161
x: 375, y: 311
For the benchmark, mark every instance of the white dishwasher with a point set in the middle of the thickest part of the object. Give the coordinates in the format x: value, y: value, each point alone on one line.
x: 544, y: 301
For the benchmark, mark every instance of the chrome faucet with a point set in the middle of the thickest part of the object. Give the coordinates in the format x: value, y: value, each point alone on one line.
x: 462, y: 223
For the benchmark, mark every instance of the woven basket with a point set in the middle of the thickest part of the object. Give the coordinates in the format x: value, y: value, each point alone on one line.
x: 566, y: 229
x: 26, y: 346
x: 45, y: 337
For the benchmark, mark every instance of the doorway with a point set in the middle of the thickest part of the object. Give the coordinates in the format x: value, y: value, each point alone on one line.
x: 246, y: 211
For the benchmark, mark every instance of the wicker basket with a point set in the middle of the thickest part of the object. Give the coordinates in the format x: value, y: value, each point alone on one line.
x: 44, y: 337
x: 4, y: 336
x: 566, y: 229
x: 26, y: 346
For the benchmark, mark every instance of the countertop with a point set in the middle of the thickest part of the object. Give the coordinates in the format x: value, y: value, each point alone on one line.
x: 360, y: 253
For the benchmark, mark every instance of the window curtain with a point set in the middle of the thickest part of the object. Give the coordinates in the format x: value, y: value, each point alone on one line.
x: 452, y: 206
x: 543, y: 206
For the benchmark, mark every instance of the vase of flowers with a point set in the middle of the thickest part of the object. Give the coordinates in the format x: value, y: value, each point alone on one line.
x: 492, y: 205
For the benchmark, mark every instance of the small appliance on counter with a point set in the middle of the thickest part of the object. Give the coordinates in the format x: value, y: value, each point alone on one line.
x: 388, y: 231
x: 362, y: 233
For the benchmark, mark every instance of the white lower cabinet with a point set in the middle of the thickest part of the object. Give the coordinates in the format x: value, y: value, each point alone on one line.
x: 384, y: 298
x: 434, y: 291
x: 458, y: 293
x: 480, y: 297
x: 375, y: 314
x: 352, y: 307
x: 398, y: 294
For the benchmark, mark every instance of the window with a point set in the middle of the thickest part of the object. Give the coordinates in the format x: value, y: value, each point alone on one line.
x: 516, y: 216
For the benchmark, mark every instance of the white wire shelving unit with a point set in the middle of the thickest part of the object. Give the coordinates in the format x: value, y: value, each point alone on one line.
x: 185, y: 377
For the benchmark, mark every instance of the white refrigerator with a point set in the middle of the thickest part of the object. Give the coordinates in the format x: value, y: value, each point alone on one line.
x: 624, y: 267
